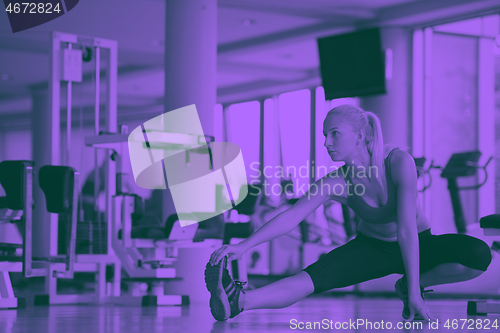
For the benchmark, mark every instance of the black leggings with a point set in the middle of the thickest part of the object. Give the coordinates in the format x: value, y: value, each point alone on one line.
x: 365, y: 258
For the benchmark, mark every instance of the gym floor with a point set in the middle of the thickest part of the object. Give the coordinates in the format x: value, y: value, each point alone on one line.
x: 197, y: 318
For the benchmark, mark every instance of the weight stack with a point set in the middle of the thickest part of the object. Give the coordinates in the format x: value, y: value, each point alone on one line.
x: 91, y: 238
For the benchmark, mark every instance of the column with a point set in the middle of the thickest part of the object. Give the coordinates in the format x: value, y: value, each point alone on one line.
x: 190, y: 78
x: 190, y: 63
x: 394, y: 108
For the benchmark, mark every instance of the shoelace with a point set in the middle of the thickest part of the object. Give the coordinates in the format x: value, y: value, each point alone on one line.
x: 241, y: 284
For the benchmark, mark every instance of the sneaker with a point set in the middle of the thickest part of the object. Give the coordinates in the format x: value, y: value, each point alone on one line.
x: 402, y: 292
x: 225, y: 292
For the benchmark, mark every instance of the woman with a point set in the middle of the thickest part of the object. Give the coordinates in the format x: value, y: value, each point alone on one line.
x: 380, y: 184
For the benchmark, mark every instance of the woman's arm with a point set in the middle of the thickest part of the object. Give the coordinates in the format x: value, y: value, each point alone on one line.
x: 286, y: 221
x: 405, y: 178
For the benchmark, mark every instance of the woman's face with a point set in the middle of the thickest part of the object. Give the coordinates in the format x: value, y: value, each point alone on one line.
x: 340, y: 139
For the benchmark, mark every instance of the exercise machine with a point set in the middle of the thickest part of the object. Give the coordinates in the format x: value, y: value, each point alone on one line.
x: 462, y: 165
x: 66, y: 65
x: 424, y: 173
x: 58, y: 185
x: 147, y: 254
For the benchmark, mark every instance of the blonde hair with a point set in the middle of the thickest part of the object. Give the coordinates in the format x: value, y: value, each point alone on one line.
x: 370, y: 123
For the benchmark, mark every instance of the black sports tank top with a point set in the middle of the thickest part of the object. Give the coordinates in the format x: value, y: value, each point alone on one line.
x: 370, y: 214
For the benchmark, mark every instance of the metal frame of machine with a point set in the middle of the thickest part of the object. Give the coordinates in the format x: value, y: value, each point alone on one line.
x: 144, y: 259
x: 53, y: 267
x: 84, y: 263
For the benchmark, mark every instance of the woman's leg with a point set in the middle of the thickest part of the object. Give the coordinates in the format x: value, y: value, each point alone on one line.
x: 448, y: 273
x: 359, y: 260
x: 453, y: 258
x: 279, y: 294
x: 445, y: 259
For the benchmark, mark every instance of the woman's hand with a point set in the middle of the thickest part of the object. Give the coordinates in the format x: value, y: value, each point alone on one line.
x: 233, y: 252
x: 417, y: 305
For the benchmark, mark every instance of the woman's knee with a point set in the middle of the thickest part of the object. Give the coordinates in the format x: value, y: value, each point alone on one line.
x: 466, y: 250
x: 479, y: 255
x: 304, y: 282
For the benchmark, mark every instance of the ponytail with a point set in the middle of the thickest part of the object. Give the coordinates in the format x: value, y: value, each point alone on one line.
x: 375, y: 143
